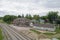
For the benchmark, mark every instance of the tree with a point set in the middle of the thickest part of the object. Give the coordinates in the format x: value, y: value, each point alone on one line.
x: 28, y: 16
x: 1, y: 18
x: 19, y: 16
x: 44, y: 17
x: 22, y: 16
x: 36, y: 17
x: 9, y: 18
x: 58, y: 21
x: 58, y: 17
x: 52, y: 16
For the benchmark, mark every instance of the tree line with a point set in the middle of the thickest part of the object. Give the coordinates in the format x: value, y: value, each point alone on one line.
x: 51, y: 17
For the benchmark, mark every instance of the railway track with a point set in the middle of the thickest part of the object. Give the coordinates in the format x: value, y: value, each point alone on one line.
x: 13, y: 34
x: 25, y: 36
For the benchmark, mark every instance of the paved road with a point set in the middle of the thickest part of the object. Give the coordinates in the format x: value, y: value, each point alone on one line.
x: 12, y: 34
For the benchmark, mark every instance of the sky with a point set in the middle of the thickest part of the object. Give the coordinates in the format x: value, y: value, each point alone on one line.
x: 19, y: 7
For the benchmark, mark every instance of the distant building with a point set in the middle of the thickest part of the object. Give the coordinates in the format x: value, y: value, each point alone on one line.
x: 46, y: 27
x: 42, y: 21
x: 22, y: 22
x: 34, y: 21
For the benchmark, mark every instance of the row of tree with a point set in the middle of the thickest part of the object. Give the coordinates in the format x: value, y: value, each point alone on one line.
x: 51, y: 16
x: 9, y: 18
x: 28, y: 16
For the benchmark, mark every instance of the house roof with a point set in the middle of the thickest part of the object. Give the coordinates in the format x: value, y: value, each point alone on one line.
x: 22, y: 22
x: 44, y: 25
x: 21, y: 19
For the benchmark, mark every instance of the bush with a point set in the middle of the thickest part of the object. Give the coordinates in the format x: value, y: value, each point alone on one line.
x: 57, y: 30
x: 9, y: 18
x: 1, y: 37
x: 48, y: 33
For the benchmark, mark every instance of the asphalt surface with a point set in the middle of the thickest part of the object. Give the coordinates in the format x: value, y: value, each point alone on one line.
x: 12, y: 34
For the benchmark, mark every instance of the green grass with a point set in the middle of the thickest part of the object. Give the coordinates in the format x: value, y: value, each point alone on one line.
x: 1, y: 36
x: 49, y: 34
x: 1, y: 21
x: 33, y: 30
x: 59, y: 38
x: 57, y: 30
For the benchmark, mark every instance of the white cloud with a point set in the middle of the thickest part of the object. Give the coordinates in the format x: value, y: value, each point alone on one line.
x: 32, y: 7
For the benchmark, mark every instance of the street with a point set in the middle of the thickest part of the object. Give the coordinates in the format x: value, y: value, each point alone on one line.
x: 12, y: 34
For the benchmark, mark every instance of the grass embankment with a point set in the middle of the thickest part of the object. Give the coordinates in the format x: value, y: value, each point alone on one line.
x: 57, y: 30
x: 1, y: 21
x: 1, y: 36
x: 47, y: 34
x: 35, y: 31
x: 58, y: 33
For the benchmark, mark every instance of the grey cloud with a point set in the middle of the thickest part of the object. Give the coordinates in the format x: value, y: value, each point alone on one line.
x: 28, y: 5
x: 3, y: 13
x: 23, y: 0
x: 53, y: 4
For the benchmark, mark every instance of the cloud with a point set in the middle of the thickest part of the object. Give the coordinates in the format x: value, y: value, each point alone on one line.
x: 53, y: 4
x: 32, y: 7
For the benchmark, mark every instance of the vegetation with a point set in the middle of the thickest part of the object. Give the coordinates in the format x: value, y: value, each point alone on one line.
x: 33, y: 30
x: 59, y: 38
x: 52, y: 16
x: 36, y: 17
x: 9, y: 18
x: 49, y: 34
x: 1, y: 37
x: 19, y: 16
x: 1, y: 21
x: 44, y: 17
x: 22, y: 16
x: 58, y: 30
x: 28, y: 16
x: 1, y: 18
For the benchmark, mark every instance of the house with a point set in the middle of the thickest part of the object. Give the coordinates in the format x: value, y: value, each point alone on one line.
x: 42, y: 21
x: 22, y: 22
x: 34, y: 21
x: 46, y: 27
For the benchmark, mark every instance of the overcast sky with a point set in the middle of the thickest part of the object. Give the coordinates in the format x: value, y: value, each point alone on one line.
x: 16, y: 7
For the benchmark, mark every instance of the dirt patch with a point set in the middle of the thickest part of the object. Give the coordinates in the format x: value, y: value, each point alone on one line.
x: 29, y: 33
